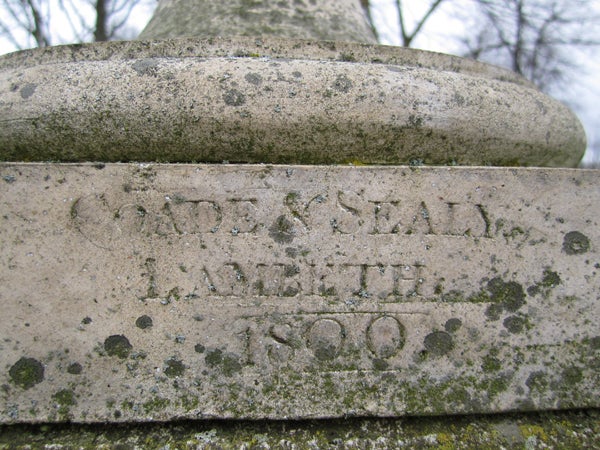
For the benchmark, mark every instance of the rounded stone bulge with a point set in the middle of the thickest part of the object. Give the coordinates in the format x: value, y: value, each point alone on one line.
x: 272, y: 100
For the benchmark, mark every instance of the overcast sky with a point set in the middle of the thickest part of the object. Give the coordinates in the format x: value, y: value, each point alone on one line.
x: 441, y: 34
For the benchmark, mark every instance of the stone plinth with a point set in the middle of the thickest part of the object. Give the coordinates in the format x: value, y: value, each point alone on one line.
x: 275, y: 101
x: 157, y: 292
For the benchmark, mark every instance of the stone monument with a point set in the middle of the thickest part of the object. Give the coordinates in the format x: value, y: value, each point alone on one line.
x: 282, y: 224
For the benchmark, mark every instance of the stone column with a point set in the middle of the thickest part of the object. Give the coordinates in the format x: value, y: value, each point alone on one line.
x: 336, y: 20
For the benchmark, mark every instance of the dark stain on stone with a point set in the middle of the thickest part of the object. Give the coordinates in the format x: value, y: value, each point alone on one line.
x: 175, y: 368
x: 27, y: 372
x: 494, y: 311
x: 291, y: 270
x: 438, y: 343
x: 515, y: 324
x: 228, y: 363
x: 282, y: 230
x: 146, y: 67
x: 28, y: 90
x: 570, y: 377
x: 342, y: 84
x: 549, y: 281
x: 74, y: 368
x: 143, y: 322
x: 117, y: 345
x: 233, y: 97
x: 491, y: 364
x: 575, y: 243
x: 415, y: 122
x: 509, y: 294
x: 291, y: 252
x: 253, y: 78
x: 537, y: 381
x: 453, y: 325
x: 65, y: 397
x: 380, y: 364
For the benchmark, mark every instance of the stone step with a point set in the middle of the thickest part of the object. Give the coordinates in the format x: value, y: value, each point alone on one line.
x: 138, y: 292
x: 559, y: 429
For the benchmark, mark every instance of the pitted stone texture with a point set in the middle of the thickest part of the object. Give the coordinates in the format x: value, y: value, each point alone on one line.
x: 335, y: 20
x: 275, y: 101
x: 155, y: 292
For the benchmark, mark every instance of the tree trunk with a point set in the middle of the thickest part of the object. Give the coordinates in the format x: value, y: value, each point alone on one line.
x: 100, y: 33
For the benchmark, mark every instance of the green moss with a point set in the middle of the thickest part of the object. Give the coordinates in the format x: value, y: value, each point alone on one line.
x: 537, y: 381
x: 74, y: 368
x: 228, y: 363
x: 497, y: 386
x: 515, y: 324
x: 157, y: 404
x: 117, y: 345
x: 453, y: 325
x: 550, y: 279
x: 189, y: 403
x: 65, y: 397
x: 26, y: 372
x: 438, y: 343
x: 175, y: 368
x: 143, y: 322
x: 509, y: 294
x: 571, y: 377
x: 491, y: 364
x: 575, y: 243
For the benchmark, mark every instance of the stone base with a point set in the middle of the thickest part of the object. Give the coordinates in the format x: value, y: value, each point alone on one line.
x: 567, y: 429
x: 156, y: 292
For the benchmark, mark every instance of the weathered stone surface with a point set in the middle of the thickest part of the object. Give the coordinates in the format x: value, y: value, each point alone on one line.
x: 336, y: 20
x: 275, y: 101
x: 559, y: 429
x: 154, y: 292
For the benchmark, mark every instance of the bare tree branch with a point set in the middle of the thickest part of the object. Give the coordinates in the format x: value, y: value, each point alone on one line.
x: 26, y: 23
x: 406, y: 36
x: 366, y: 4
x: 37, y: 29
x: 534, y: 37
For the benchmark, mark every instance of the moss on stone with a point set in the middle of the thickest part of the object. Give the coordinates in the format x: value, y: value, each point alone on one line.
x: 26, y: 372
x: 175, y: 368
x: 117, y: 345
x: 570, y: 429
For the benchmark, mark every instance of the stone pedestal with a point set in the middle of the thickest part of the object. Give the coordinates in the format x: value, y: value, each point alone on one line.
x: 155, y: 291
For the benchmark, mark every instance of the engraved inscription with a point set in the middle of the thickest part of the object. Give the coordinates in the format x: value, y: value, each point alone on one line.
x: 346, y: 213
x: 385, y: 336
x: 332, y: 341
x: 325, y: 338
